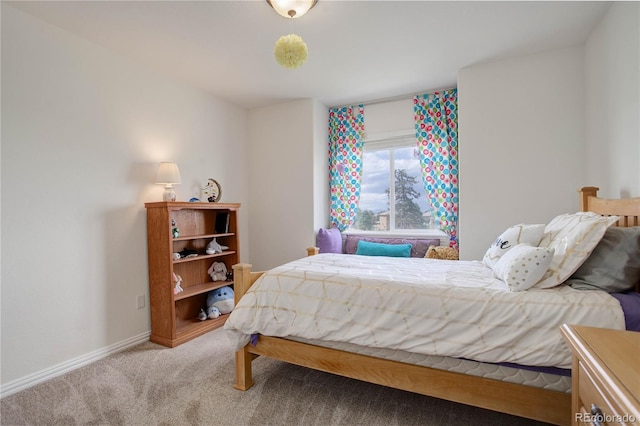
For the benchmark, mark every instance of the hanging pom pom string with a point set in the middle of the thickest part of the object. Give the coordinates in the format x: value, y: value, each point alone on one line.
x: 290, y: 51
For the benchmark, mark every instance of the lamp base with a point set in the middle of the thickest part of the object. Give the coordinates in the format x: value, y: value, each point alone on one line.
x: 169, y: 194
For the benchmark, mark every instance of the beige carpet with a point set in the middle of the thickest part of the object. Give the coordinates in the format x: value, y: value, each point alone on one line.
x: 192, y: 385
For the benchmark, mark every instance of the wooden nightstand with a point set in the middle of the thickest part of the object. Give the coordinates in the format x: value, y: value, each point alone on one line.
x: 605, y: 383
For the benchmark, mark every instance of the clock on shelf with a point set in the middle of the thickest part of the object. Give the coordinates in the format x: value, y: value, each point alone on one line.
x: 212, y: 192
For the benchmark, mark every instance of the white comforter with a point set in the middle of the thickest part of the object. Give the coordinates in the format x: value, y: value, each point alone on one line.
x: 437, y: 307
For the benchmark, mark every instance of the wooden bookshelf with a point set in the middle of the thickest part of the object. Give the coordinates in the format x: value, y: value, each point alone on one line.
x: 174, y: 316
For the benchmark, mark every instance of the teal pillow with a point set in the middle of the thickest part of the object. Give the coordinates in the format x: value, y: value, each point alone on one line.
x: 367, y: 248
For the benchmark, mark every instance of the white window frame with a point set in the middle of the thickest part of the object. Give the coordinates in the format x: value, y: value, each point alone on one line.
x: 400, y: 139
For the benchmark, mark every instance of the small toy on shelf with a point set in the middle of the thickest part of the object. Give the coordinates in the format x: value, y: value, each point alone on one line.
x: 218, y: 271
x: 214, y: 247
x: 174, y: 230
x: 177, y: 288
x: 211, y: 313
x: 221, y: 298
x: 184, y: 253
x: 202, y: 315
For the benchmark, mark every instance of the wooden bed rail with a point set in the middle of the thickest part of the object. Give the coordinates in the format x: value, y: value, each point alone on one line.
x: 628, y: 208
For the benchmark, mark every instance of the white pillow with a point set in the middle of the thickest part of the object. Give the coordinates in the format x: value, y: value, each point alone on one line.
x: 517, y: 234
x: 523, y: 266
x: 573, y: 237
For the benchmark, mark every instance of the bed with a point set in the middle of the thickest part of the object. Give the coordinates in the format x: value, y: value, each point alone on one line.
x: 409, y: 367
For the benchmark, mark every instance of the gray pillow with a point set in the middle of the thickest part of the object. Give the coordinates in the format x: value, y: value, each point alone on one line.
x: 614, y: 264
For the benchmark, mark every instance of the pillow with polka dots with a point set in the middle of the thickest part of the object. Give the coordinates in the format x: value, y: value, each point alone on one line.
x: 523, y: 266
x: 517, y: 234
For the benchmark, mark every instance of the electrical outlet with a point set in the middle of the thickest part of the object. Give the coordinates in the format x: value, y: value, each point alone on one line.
x: 140, y: 301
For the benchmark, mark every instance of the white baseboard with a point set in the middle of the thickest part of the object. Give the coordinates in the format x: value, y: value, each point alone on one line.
x: 70, y: 365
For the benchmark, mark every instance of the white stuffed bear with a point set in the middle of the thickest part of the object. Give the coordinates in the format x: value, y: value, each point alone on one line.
x: 218, y: 271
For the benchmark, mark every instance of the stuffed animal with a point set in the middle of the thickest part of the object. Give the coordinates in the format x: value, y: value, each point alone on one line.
x: 177, y: 279
x: 211, y: 313
x: 202, y: 315
x: 214, y: 247
x: 441, y: 252
x: 221, y: 298
x: 218, y: 271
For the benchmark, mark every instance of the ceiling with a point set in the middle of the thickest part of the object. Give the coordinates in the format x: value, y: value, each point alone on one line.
x: 359, y: 51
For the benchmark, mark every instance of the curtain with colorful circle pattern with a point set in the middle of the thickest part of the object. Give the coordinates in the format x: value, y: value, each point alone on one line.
x: 436, y: 123
x: 346, y: 143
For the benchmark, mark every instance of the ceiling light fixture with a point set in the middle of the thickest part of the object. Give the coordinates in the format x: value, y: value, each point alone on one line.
x: 292, y: 8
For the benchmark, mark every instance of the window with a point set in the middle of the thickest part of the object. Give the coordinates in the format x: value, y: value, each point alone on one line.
x: 391, y: 171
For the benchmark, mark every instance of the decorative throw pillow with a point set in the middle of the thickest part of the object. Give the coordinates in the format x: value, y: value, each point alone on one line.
x: 614, y: 265
x: 366, y: 248
x: 419, y: 246
x: 329, y: 240
x: 573, y: 236
x: 517, y: 234
x: 442, y: 252
x: 523, y: 266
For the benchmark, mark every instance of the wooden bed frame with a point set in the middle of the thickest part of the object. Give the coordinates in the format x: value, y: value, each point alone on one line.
x: 520, y: 400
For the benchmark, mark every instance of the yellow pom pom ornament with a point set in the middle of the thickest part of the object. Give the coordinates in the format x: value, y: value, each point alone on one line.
x: 290, y: 51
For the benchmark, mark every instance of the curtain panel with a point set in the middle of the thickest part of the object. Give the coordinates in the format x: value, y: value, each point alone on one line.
x: 346, y: 143
x: 436, y: 123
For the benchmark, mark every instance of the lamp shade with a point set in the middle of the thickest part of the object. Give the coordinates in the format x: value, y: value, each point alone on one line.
x: 292, y: 8
x: 168, y: 174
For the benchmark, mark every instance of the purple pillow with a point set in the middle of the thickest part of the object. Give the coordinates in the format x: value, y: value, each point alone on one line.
x: 329, y: 240
x: 419, y: 246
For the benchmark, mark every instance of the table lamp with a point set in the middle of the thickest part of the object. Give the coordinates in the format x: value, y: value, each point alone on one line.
x: 168, y: 175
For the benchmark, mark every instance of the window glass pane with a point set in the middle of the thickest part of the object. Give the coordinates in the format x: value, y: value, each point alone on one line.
x: 410, y: 197
x: 374, y: 200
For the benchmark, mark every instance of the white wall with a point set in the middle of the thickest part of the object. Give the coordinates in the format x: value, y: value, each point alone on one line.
x: 522, y: 131
x: 612, y: 62
x: 82, y: 132
x: 282, y: 177
x: 572, y: 121
x: 320, y: 166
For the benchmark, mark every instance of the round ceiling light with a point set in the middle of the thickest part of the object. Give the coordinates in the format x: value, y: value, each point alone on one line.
x: 292, y: 8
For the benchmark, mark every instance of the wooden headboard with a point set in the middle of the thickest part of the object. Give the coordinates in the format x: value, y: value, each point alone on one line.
x: 627, y: 208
